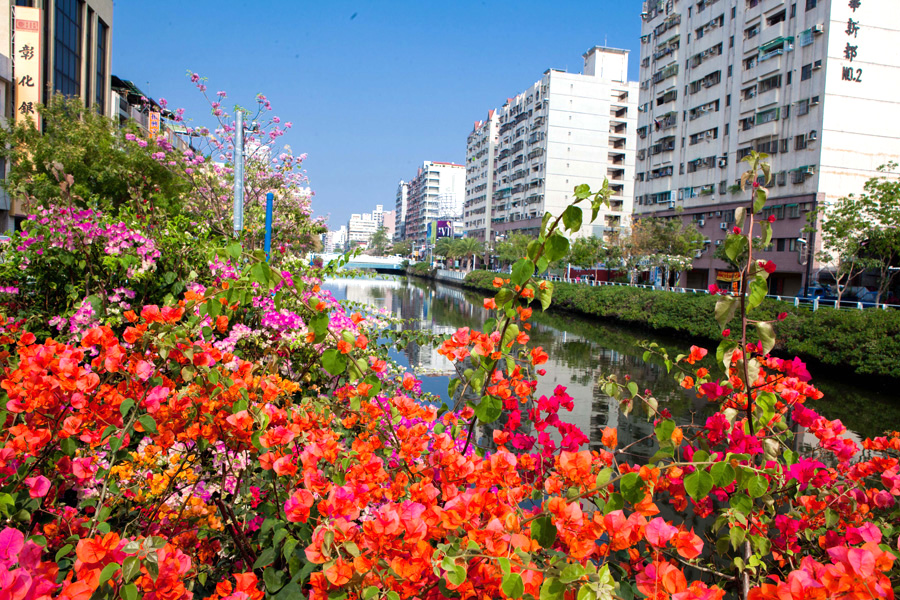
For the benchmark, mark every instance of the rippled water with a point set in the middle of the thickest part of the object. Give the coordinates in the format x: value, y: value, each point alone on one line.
x: 581, y: 352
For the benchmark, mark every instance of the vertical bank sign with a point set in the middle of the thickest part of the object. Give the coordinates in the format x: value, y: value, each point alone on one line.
x: 27, y: 63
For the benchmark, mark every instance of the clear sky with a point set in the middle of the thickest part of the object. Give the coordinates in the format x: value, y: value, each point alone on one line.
x: 373, y: 87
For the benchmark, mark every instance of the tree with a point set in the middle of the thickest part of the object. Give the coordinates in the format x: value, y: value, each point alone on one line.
x: 379, y: 242
x: 467, y: 248
x: 586, y: 252
x: 108, y: 168
x: 844, y: 230
x: 880, y: 204
x: 403, y: 248
x: 512, y: 248
x: 443, y: 247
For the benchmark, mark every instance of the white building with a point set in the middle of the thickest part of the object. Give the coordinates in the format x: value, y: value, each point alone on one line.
x: 360, y: 229
x: 436, y: 192
x: 565, y: 130
x: 335, y: 241
x: 400, y: 211
x: 813, y: 83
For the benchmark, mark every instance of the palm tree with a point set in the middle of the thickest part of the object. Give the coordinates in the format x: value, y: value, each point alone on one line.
x: 443, y: 247
x: 467, y: 248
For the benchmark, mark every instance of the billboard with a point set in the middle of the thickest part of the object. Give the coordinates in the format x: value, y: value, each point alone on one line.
x: 436, y: 230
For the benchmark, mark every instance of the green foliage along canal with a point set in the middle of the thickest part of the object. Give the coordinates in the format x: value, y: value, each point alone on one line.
x: 581, y: 352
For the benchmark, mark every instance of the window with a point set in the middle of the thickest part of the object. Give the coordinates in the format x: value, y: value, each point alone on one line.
x: 751, y: 32
x: 800, y: 142
x: 731, y: 42
x: 783, y: 145
x: 776, y: 19
x: 770, y: 83
x: 805, y: 37
x: 803, y: 107
x: 806, y: 72
x: 810, y: 4
x: 728, y: 100
x: 793, y: 211
x: 746, y: 124
x: 789, y: 74
x: 67, y: 47
x: 749, y: 92
x: 729, y: 70
x: 733, y: 11
x: 779, y: 244
x: 750, y: 62
x: 793, y: 10
x: 102, y: 43
x: 768, y: 116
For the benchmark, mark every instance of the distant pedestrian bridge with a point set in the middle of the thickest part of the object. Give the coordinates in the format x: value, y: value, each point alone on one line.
x: 380, y: 264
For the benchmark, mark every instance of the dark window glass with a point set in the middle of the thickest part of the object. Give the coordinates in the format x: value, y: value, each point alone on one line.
x: 102, y: 34
x: 87, y: 57
x: 67, y: 47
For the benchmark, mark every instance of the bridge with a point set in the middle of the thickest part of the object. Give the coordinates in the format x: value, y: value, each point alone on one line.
x: 379, y: 264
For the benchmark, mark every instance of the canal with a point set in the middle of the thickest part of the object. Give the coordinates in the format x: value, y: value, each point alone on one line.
x: 581, y: 353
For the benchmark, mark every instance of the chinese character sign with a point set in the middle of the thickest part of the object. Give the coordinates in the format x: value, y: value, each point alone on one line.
x: 851, y: 51
x: 27, y: 63
x: 154, y: 123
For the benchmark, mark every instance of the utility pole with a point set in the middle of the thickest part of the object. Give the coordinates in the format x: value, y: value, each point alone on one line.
x: 239, y: 174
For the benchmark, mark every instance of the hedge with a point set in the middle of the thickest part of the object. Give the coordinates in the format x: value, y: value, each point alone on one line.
x: 864, y: 341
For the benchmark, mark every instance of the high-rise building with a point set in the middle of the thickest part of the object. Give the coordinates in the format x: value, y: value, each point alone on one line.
x: 400, y: 211
x: 49, y: 47
x: 815, y: 84
x: 566, y: 129
x: 361, y: 228
x: 436, y: 192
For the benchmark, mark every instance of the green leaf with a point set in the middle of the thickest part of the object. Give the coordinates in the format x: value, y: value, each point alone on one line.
x: 545, y: 295
x: 543, y: 531
x: 723, y: 474
x: 725, y: 307
x: 614, y: 502
x: 108, y: 571
x: 571, y: 573
x: 603, y: 477
x: 68, y: 446
x: 740, y: 213
x: 741, y: 503
x: 265, y: 558
x: 521, y: 272
x: 757, y: 486
x: 489, y: 409
x: 582, y: 191
x: 736, y: 535
x: 664, y: 430
x: 831, y: 517
x: 512, y: 585
x: 234, y: 250
x: 766, y: 336
x: 126, y: 405
x: 632, y: 487
x: 128, y: 592
x: 759, y: 287
x: 532, y: 249
x: 632, y: 388
x: 735, y: 245
x: 457, y: 575
x: 148, y: 423
x: 557, y: 247
x: 760, y: 201
x: 698, y: 484
x: 767, y: 233
x: 334, y: 362
x: 572, y: 217
x: 131, y: 568
x: 274, y: 579
x: 552, y: 589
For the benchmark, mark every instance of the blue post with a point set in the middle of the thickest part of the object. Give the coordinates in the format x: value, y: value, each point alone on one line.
x: 270, y: 198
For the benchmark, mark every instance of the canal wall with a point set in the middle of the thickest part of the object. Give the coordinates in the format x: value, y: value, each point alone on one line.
x: 862, y: 342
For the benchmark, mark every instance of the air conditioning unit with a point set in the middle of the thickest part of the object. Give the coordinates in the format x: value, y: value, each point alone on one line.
x: 672, y: 204
x: 718, y: 213
x: 811, y: 170
x: 817, y: 65
x: 723, y: 226
x: 723, y: 162
x: 701, y: 223
x: 817, y: 29
x: 718, y: 242
x: 813, y: 135
x: 698, y: 254
x: 814, y: 100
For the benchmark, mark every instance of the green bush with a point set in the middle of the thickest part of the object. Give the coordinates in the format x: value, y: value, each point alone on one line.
x: 866, y: 341
x: 422, y: 269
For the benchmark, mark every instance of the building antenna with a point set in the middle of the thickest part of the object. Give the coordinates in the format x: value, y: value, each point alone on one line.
x: 604, y: 41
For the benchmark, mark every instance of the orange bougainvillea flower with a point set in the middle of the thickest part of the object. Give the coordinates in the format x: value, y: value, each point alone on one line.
x: 344, y: 347
x: 696, y: 354
x: 490, y: 304
x: 688, y: 382
x: 610, y: 438
x: 498, y: 282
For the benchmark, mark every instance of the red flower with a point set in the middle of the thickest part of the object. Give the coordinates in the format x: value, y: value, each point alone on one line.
x: 736, y: 230
x: 771, y: 218
x: 490, y: 304
x: 782, y: 316
x: 769, y: 267
x: 726, y: 332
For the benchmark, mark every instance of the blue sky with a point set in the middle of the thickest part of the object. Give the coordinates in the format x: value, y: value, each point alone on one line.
x: 373, y: 87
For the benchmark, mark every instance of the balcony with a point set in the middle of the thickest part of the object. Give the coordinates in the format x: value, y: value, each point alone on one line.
x: 770, y: 34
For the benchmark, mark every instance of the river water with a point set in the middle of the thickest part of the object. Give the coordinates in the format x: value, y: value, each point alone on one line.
x: 582, y: 351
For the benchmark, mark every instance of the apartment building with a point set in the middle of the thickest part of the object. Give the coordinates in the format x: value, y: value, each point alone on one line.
x: 436, y: 192
x: 566, y: 129
x: 815, y: 84
x: 49, y: 47
x: 361, y: 228
x: 400, y: 207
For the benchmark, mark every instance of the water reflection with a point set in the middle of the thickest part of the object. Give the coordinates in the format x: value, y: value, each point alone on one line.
x: 581, y: 353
